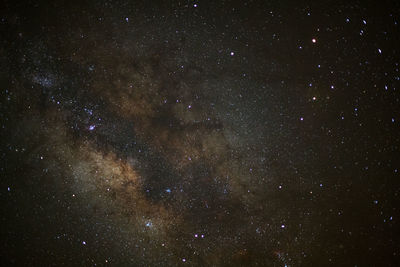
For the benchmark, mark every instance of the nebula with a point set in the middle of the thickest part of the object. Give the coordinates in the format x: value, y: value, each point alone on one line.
x: 201, y: 134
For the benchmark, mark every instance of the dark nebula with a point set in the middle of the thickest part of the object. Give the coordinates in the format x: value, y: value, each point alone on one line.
x: 199, y: 133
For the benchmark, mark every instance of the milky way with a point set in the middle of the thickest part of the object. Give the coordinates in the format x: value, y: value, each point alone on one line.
x: 200, y: 134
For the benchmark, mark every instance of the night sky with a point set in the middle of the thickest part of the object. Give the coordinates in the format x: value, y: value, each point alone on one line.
x: 199, y: 133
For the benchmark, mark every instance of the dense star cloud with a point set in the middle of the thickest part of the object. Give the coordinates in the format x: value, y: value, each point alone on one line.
x: 215, y: 133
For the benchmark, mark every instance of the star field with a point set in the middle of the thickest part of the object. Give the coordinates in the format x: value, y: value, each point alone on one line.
x: 199, y: 133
